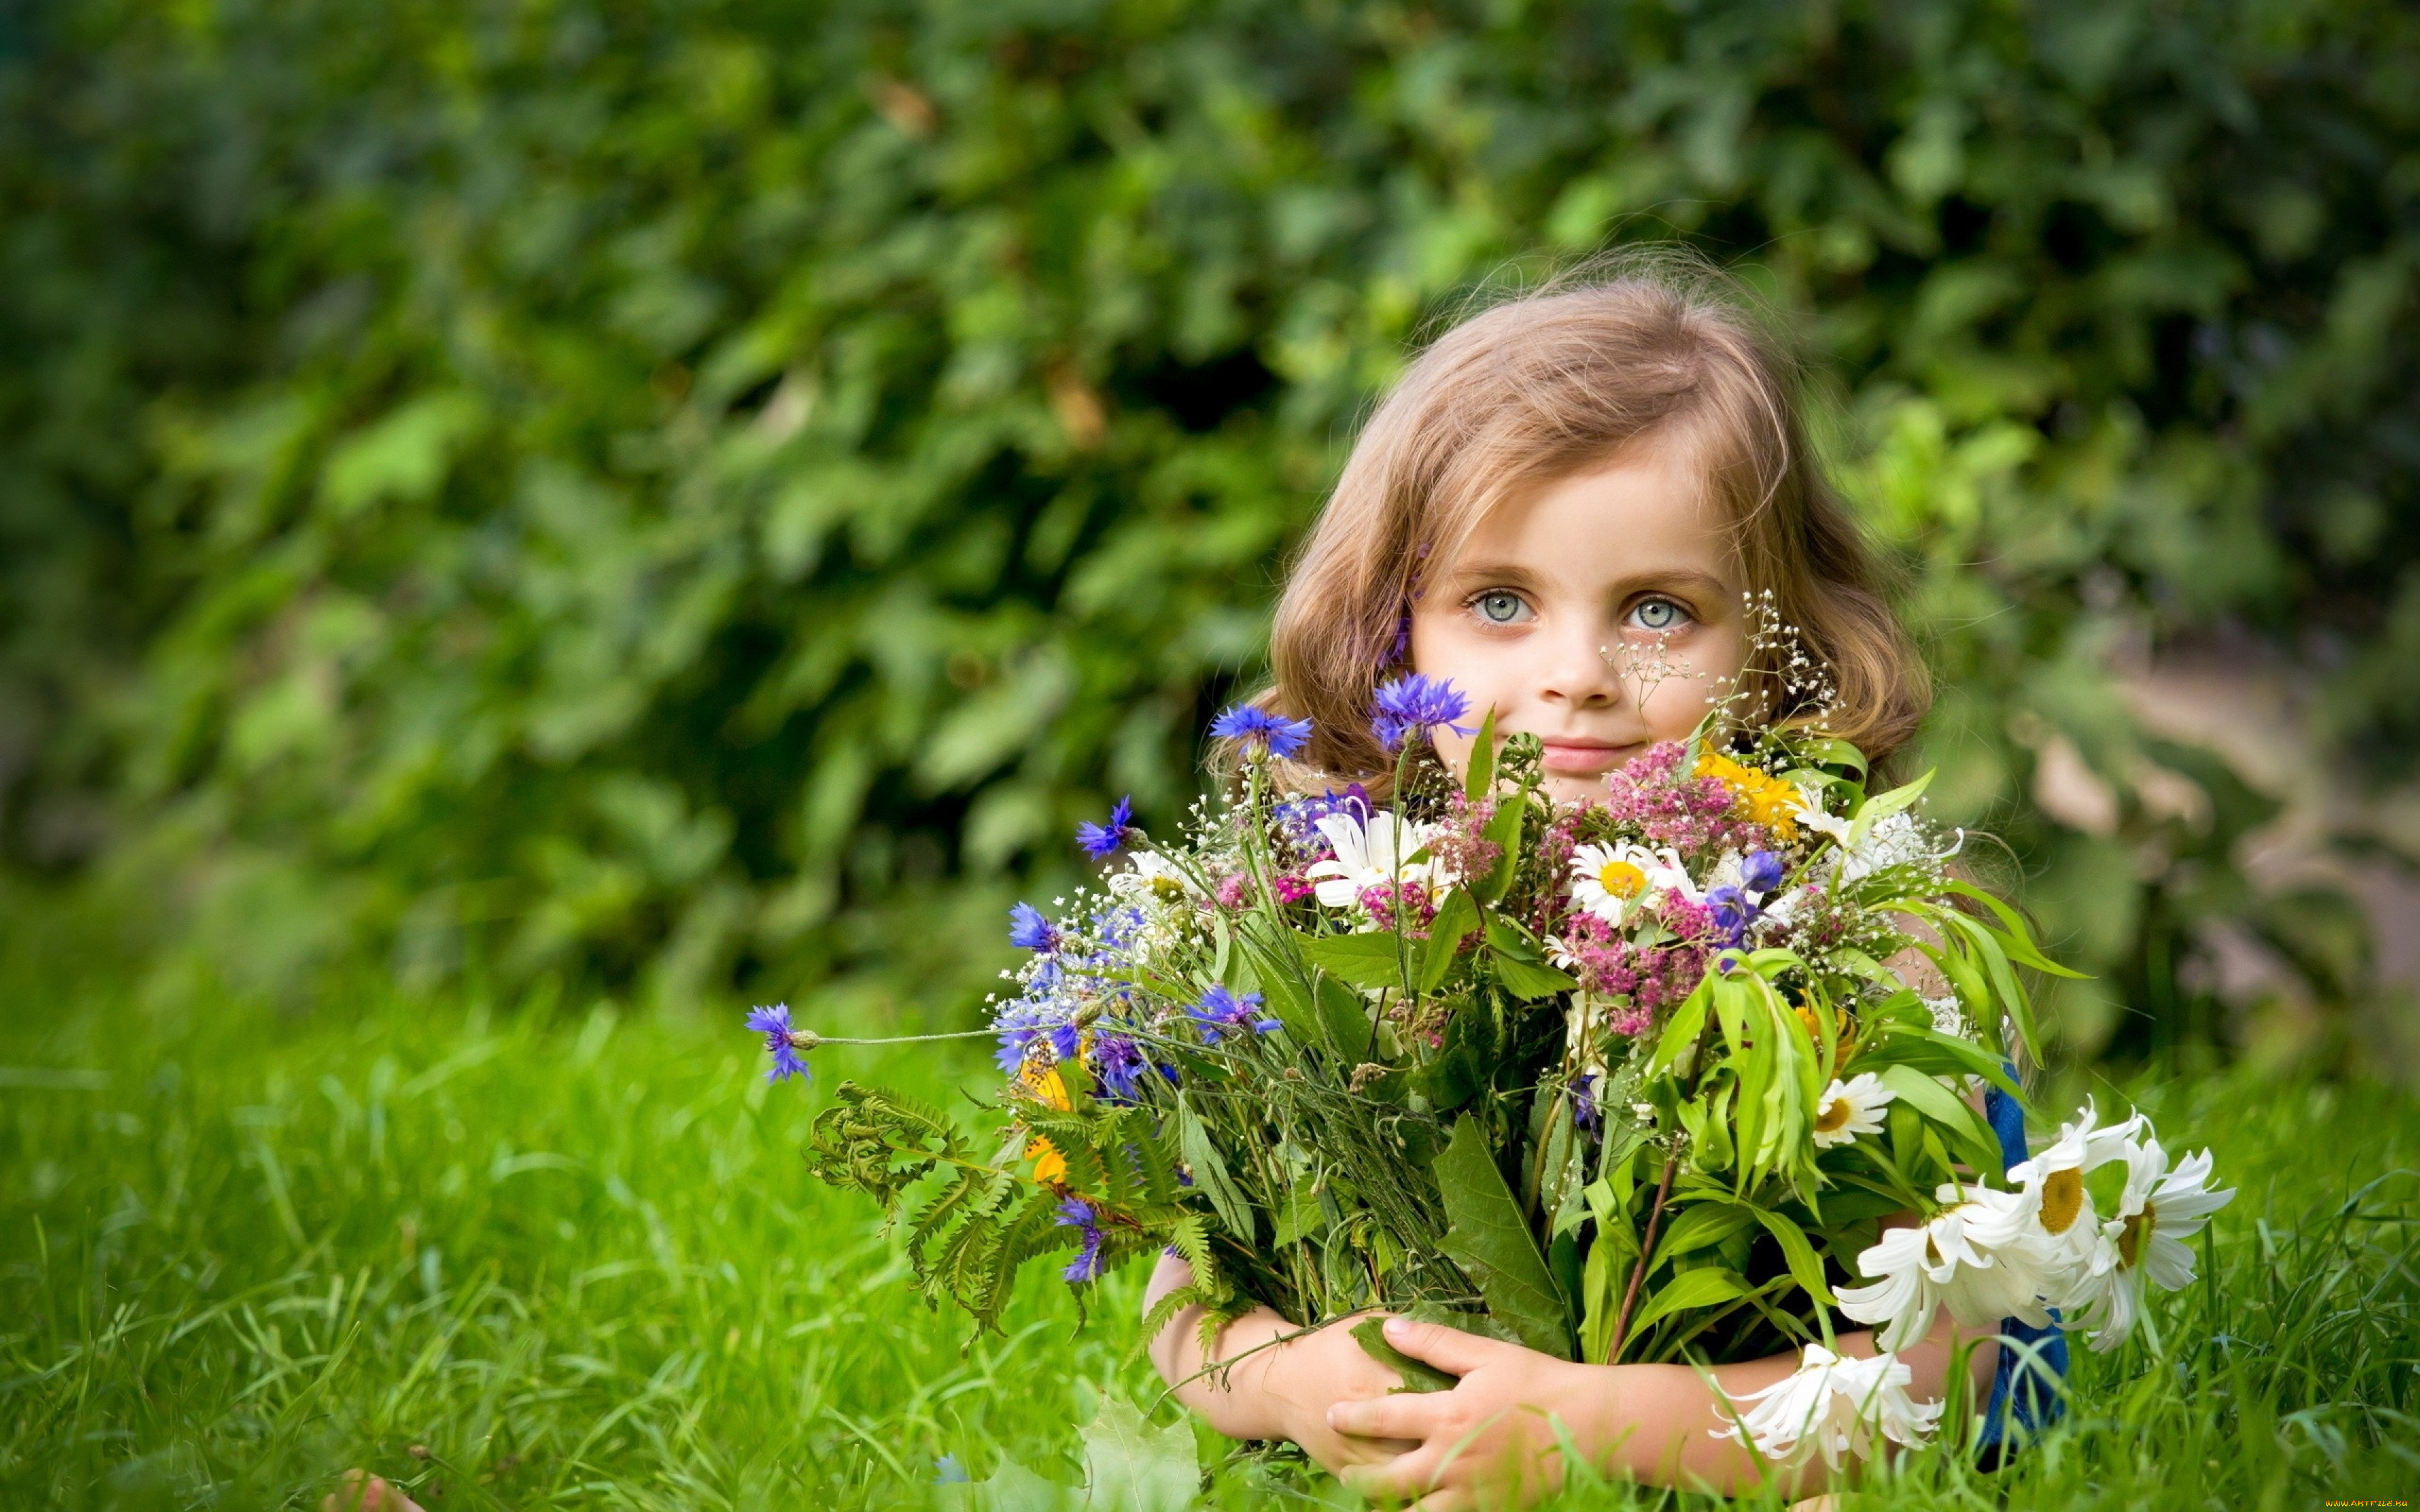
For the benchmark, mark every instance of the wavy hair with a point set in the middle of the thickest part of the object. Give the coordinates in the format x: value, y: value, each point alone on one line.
x: 1658, y: 347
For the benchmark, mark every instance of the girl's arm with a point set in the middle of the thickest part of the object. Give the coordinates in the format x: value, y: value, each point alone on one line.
x: 1282, y: 1391
x: 1653, y: 1423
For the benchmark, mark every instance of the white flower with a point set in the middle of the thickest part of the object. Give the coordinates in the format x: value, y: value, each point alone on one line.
x: 2159, y: 1210
x: 2054, y: 1180
x: 1835, y: 1406
x: 1850, y: 1108
x: 1811, y: 815
x: 1609, y: 881
x: 1151, y: 875
x: 1982, y: 1257
x: 1947, y: 1017
x: 1370, y: 855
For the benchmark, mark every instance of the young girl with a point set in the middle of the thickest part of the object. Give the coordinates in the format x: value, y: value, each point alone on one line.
x: 1561, y: 508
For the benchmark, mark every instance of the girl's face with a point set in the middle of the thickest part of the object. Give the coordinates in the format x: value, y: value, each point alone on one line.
x: 1596, y: 614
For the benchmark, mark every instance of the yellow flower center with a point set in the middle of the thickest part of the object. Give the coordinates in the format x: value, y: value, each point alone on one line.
x: 1836, y: 1116
x: 1621, y: 879
x: 2062, y: 1199
x: 2130, y: 1242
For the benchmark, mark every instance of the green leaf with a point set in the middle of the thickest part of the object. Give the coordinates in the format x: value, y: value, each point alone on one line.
x: 1707, y: 1287
x: 1489, y: 1240
x: 1805, y: 1268
x: 1132, y: 1466
x: 1528, y: 981
x: 1504, y: 832
x: 1210, y: 1174
x: 1373, y: 960
x: 1456, y: 916
x: 1481, y: 775
x: 1518, y: 962
x: 1418, y: 1375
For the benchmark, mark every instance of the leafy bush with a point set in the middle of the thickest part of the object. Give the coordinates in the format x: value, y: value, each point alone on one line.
x: 672, y: 494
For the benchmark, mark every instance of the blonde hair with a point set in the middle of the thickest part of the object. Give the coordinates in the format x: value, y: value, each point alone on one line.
x: 1550, y: 384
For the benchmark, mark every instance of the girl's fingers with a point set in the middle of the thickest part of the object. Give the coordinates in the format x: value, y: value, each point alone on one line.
x: 1449, y: 1350
x: 1399, y: 1479
x: 1406, y: 1415
x: 1452, y: 1499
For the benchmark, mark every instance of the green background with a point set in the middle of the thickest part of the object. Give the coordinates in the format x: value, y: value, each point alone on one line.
x: 682, y: 501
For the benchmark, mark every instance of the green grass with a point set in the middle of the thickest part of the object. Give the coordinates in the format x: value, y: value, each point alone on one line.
x: 576, y: 1260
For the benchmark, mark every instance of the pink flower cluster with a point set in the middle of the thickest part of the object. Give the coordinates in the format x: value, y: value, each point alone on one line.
x: 1463, y: 845
x: 1652, y: 977
x: 1378, y: 902
x: 1672, y: 807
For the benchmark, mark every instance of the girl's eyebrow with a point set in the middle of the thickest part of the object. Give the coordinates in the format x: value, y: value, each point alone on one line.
x: 1689, y: 581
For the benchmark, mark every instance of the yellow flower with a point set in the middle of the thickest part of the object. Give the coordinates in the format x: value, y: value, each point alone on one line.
x: 1768, y: 800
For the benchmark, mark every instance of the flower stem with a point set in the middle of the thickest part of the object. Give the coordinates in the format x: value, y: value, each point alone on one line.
x: 1646, y: 1253
x: 808, y: 1039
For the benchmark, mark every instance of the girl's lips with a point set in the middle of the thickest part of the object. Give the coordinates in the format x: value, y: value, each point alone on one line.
x: 1584, y: 758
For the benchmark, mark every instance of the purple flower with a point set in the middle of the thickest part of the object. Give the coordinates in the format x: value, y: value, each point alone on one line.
x: 1101, y: 841
x: 1119, y: 1063
x: 781, y: 1041
x: 1414, y: 704
x: 1760, y: 872
x: 1584, y: 1109
x: 1028, y: 930
x: 1075, y: 1213
x: 1221, y: 1011
x: 1732, y: 914
x: 1275, y: 733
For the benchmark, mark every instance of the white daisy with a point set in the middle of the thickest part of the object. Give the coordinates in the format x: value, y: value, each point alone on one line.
x: 1609, y: 881
x: 2054, y: 1180
x: 1370, y: 855
x: 2159, y: 1210
x: 1810, y: 816
x: 1850, y: 1108
x: 1835, y: 1406
x: 1982, y: 1257
x: 1151, y: 875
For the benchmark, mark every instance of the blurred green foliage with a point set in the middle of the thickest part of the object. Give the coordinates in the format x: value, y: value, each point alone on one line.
x: 675, y: 495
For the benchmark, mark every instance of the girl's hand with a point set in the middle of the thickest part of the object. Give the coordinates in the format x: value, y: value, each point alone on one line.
x: 1496, y: 1432
x: 1307, y: 1381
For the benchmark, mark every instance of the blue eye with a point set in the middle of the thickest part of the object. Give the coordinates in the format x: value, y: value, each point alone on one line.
x: 1659, y: 614
x: 1500, y: 608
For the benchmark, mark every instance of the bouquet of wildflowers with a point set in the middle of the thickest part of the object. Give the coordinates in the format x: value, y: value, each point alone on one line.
x: 1634, y: 1080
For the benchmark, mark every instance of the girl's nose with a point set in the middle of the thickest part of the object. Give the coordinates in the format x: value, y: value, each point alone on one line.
x: 1575, y: 670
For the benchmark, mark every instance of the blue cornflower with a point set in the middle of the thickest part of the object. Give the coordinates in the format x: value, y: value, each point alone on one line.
x: 1221, y: 1011
x: 1101, y: 841
x: 781, y: 1041
x: 1299, y: 817
x: 1075, y: 1213
x: 1584, y: 1109
x: 1414, y: 704
x: 1733, y: 913
x: 1028, y: 929
x: 1066, y: 1040
x: 1248, y: 725
x: 948, y: 1472
x: 1760, y: 872
x: 1117, y: 1063
x: 1020, y: 1022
